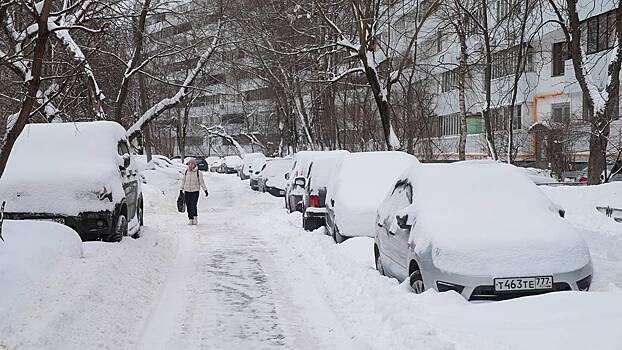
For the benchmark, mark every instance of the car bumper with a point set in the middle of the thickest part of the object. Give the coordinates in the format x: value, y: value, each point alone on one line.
x: 277, y: 192
x: 313, y: 212
x: 481, y: 288
x: 254, y: 184
x: 91, y: 226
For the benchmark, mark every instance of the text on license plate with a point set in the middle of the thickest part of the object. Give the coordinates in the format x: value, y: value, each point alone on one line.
x: 57, y: 220
x: 523, y: 283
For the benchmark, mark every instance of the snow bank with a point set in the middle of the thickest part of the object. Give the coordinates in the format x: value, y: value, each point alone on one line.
x: 60, y: 168
x: 482, y: 217
x: 30, y: 251
x: 360, y: 185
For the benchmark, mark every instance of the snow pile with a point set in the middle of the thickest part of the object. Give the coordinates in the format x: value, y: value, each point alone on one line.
x: 482, y: 218
x: 359, y: 186
x: 304, y: 158
x: 275, y: 172
x: 30, y: 251
x: 61, y: 168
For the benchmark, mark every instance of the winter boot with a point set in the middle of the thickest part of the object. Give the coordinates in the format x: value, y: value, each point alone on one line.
x: 195, y: 221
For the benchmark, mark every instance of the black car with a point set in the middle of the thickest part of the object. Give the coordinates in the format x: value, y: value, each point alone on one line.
x: 202, y: 164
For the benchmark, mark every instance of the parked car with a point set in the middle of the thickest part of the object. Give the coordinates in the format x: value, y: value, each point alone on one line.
x: 247, y: 162
x: 272, y: 177
x: 258, y: 165
x: 575, y: 175
x: 454, y: 227
x: 314, y: 195
x: 216, y: 165
x: 78, y: 174
x: 231, y: 164
x: 294, y: 186
x: 357, y: 188
x: 202, y: 164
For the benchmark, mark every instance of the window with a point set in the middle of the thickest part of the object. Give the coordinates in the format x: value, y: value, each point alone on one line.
x: 449, y: 124
x: 234, y: 118
x: 402, y: 195
x: 472, y: 20
x: 601, y: 32
x: 501, y: 115
x: 586, y: 112
x: 449, y: 80
x: 560, y: 112
x: 504, y: 62
x: 259, y: 94
x: 560, y: 55
x: 122, y: 148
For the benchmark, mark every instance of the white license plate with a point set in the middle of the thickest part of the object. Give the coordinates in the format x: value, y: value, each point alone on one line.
x: 281, y: 192
x: 523, y: 283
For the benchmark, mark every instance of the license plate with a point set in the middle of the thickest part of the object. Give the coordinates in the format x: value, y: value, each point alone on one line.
x: 281, y: 192
x: 523, y: 283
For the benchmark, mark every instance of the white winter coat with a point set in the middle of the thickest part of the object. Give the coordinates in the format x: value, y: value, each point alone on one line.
x: 192, y: 181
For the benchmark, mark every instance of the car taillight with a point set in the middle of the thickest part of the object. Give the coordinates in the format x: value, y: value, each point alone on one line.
x: 583, y: 179
x: 314, y: 201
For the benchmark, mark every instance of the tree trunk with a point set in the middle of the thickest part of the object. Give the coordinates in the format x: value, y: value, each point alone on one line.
x: 490, y: 135
x: 462, y: 75
x: 32, y: 88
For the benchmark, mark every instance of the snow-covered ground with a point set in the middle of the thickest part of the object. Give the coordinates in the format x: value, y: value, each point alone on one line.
x: 249, y: 277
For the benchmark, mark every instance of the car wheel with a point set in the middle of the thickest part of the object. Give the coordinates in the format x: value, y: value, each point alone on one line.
x: 416, y: 282
x: 120, y: 230
x: 379, y: 266
x: 337, y: 236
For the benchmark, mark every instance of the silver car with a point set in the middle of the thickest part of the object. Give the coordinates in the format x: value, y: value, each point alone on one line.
x: 464, y: 236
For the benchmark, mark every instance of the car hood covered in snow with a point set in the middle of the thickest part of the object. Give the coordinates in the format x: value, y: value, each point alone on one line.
x: 360, y: 185
x: 484, y: 218
x: 62, y: 168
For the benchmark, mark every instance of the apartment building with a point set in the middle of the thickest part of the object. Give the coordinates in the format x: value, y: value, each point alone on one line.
x: 548, y: 97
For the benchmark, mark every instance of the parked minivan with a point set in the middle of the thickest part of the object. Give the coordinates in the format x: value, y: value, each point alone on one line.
x: 77, y: 174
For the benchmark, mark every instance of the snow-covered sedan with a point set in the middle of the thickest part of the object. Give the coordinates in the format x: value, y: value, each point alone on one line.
x: 314, y: 195
x: 272, y: 178
x: 479, y: 228
x: 231, y: 164
x: 78, y: 174
x: 357, y: 188
x: 258, y: 165
x: 247, y: 164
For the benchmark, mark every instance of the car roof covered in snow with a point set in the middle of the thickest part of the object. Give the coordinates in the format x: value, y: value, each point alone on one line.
x: 475, y: 214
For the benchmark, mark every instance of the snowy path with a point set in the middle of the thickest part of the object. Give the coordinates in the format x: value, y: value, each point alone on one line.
x: 220, y: 292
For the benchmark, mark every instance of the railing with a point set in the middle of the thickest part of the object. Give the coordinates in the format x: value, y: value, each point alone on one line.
x: 610, y: 212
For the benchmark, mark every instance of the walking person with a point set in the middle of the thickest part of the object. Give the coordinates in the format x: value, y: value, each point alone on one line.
x: 191, y: 184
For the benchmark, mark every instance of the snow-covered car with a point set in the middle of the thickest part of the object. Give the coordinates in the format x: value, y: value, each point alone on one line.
x: 314, y: 195
x: 479, y: 228
x: 247, y: 162
x: 357, y: 188
x: 294, y: 186
x: 231, y: 164
x: 215, y: 164
x: 79, y: 174
x: 272, y: 177
x: 258, y: 165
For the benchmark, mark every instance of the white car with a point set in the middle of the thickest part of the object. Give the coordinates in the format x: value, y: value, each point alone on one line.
x: 272, y: 177
x: 294, y: 186
x: 358, y: 187
x: 231, y: 164
x: 247, y: 164
x: 479, y: 228
x: 79, y: 174
x: 258, y: 166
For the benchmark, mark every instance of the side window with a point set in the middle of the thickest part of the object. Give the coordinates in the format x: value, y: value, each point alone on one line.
x: 123, y: 148
x: 402, y: 195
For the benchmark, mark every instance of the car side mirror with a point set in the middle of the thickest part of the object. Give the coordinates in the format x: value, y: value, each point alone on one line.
x: 300, y: 181
x: 286, y: 176
x: 402, y: 222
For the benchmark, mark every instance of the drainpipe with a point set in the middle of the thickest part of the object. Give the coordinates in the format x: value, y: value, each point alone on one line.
x: 535, y: 115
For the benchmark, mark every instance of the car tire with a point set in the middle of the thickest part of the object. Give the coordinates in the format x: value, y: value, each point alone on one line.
x: 119, y: 230
x: 379, y: 266
x: 337, y: 236
x: 416, y: 282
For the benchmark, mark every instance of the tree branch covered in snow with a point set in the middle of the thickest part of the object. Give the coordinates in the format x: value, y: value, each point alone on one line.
x: 180, y: 95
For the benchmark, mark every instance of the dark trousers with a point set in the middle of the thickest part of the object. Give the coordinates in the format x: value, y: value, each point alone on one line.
x: 192, y: 198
